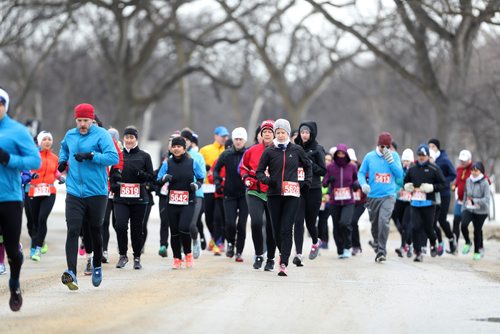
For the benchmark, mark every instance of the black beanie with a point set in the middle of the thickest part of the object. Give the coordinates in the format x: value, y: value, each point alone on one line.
x: 188, y: 135
x: 479, y: 166
x: 179, y: 141
x: 130, y: 130
x: 435, y: 142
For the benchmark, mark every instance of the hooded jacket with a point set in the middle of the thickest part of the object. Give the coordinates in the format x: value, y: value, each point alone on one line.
x: 315, y: 152
x: 443, y: 161
x: 248, y: 166
x: 341, y: 173
x: 426, y: 173
x: 47, y: 172
x: 479, y: 193
x: 233, y: 186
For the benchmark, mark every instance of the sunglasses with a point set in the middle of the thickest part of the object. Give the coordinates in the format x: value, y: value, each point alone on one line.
x: 384, y: 146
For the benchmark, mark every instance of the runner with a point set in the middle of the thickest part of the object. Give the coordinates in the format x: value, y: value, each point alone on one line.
x: 341, y: 178
x: 42, y: 193
x: 475, y: 209
x: 463, y: 173
x: 235, y: 205
x: 423, y: 180
x: 282, y: 161
x: 382, y: 167
x: 180, y: 172
x: 442, y: 160
x: 17, y: 152
x: 256, y: 197
x: 402, y: 208
x: 359, y: 208
x: 131, y: 197
x: 310, y: 201
x: 324, y: 210
x: 86, y: 151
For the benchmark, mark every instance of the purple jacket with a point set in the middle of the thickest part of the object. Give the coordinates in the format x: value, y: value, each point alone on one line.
x: 341, y: 174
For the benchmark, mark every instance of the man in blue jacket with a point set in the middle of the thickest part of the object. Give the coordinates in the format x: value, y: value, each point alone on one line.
x: 383, y: 167
x: 85, y: 152
x: 17, y: 152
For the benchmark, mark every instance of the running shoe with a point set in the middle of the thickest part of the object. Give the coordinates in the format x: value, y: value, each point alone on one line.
x: 45, y: 248
x: 282, y: 270
x: 314, y: 250
x: 82, y: 249
x: 203, y: 243
x: 409, y: 252
x: 453, y: 245
x: 196, y: 248
x: 434, y: 251
x: 356, y: 251
x: 32, y: 252
x: 163, y: 251
x: 399, y: 251
x: 481, y: 251
x: 104, y: 258
x: 347, y: 254
x: 122, y: 261
x: 324, y: 245
x: 380, y: 258
x: 440, y: 249
x: 2, y: 269
x: 419, y: 258
x: 222, y: 247
x: 466, y: 249
x: 68, y: 278
x: 424, y: 251
x: 96, y: 276
x: 137, y: 263
x: 16, y: 299
x: 297, y: 260
x: 238, y: 258
x: 189, y: 260
x: 258, y: 262
x: 230, y: 250
x: 476, y: 256
x: 37, y: 255
x: 211, y: 244
x: 177, y: 263
x: 269, y: 265
x: 88, y: 268
x: 216, y: 250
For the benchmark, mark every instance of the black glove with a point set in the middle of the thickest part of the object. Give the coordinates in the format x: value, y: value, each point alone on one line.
x: 84, y: 156
x: 115, y: 176
x: 62, y: 180
x: 331, y: 179
x: 194, y: 186
x: 115, y: 188
x: 143, y: 176
x: 165, y: 178
x: 4, y: 157
x: 219, y: 188
x: 34, y: 176
x: 272, y: 183
x: 62, y: 166
x: 304, y: 189
x: 207, y: 167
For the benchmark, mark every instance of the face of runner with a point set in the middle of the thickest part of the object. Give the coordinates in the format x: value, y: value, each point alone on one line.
x: 2, y: 111
x: 221, y: 140
x: 340, y: 154
x: 178, y: 150
x: 305, y: 135
x: 328, y: 159
x: 83, y: 125
x: 422, y: 158
x: 267, y: 136
x: 406, y: 163
x: 475, y: 172
x: 281, y: 135
x: 188, y: 143
x: 130, y: 141
x: 238, y: 143
x: 433, y: 147
x: 46, y: 143
x: 464, y: 163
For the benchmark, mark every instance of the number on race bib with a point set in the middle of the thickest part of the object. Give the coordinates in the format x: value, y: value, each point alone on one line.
x: 382, y: 178
x: 179, y: 197
x: 291, y: 189
x: 342, y: 194
x: 357, y: 195
x: 301, y: 175
x: 41, y: 189
x: 405, y: 196
x: 419, y: 196
x: 130, y: 190
x: 164, y: 189
x: 208, y: 188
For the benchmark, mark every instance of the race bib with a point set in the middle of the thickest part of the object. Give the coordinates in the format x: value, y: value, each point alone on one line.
x: 470, y: 206
x: 111, y: 195
x: 322, y: 206
x: 179, y: 197
x: 164, y: 189
x: 419, y: 196
x: 382, y: 178
x: 130, y: 190
x: 300, y: 174
x: 291, y: 189
x: 357, y: 195
x: 41, y: 189
x: 405, y: 196
x: 342, y: 194
x: 208, y: 188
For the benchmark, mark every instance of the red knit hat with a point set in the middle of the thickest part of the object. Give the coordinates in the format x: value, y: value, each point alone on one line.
x: 385, y: 139
x: 267, y: 124
x: 84, y: 110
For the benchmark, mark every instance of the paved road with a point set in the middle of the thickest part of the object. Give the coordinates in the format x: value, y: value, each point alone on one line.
x: 218, y: 295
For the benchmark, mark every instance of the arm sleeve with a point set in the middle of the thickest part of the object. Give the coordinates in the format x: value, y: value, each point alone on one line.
x: 485, y: 200
x: 307, y: 165
x: 452, y: 174
x: 263, y: 162
x: 119, y: 165
x: 199, y: 172
x: 363, y: 169
x: 163, y: 170
x: 396, y: 167
x: 218, y: 166
x: 29, y: 156
x: 318, y: 166
x: 326, y: 179
x: 440, y: 181
x: 108, y: 155
x: 63, y: 152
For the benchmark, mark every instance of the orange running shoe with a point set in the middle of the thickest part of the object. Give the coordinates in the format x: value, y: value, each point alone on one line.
x: 189, y: 260
x: 216, y: 250
x: 177, y: 264
x: 211, y: 244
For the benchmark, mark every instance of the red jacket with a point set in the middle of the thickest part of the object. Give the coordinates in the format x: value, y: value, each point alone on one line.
x: 463, y: 174
x: 249, y: 164
x: 47, y: 172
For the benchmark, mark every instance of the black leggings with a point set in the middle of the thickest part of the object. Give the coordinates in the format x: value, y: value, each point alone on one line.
x: 199, y: 222
x: 40, y: 210
x: 441, y: 218
x: 236, y: 208
x: 308, y: 210
x: 109, y: 215
x: 401, y: 217
x: 135, y: 214
x: 283, y: 210
x: 162, y: 206
x: 209, y: 209
x: 477, y: 221
x: 179, y: 218
x: 89, y: 213
x: 323, y: 216
x: 11, y: 217
x: 258, y: 208
x: 342, y: 228
x: 194, y: 222
x: 423, y: 221
x: 359, y: 208
x: 30, y: 222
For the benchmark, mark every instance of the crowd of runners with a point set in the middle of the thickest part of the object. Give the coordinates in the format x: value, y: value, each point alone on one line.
x: 283, y: 179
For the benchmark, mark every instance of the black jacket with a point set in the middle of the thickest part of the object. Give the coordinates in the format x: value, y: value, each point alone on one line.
x: 315, y: 152
x: 233, y: 185
x: 182, y: 171
x: 283, y: 166
x: 427, y: 173
x: 137, y: 168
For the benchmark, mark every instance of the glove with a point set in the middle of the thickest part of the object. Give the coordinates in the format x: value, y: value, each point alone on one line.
x: 355, y: 186
x: 304, y: 189
x: 4, y: 157
x: 166, y: 178
x: 115, y: 176
x: 409, y: 187
x: 388, y: 156
x: 250, y: 181
x: 143, y: 175
x: 115, y: 188
x: 62, y: 180
x: 219, y: 188
x: 427, y: 187
x: 331, y: 179
x: 84, y: 156
x: 62, y: 166
x: 365, y: 188
x: 271, y: 183
x: 193, y: 185
x: 34, y: 176
x: 207, y: 167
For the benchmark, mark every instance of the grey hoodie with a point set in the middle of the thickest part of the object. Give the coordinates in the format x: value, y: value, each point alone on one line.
x: 479, y: 191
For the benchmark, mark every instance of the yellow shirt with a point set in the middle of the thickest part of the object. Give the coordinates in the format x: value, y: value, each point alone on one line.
x: 211, y: 153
